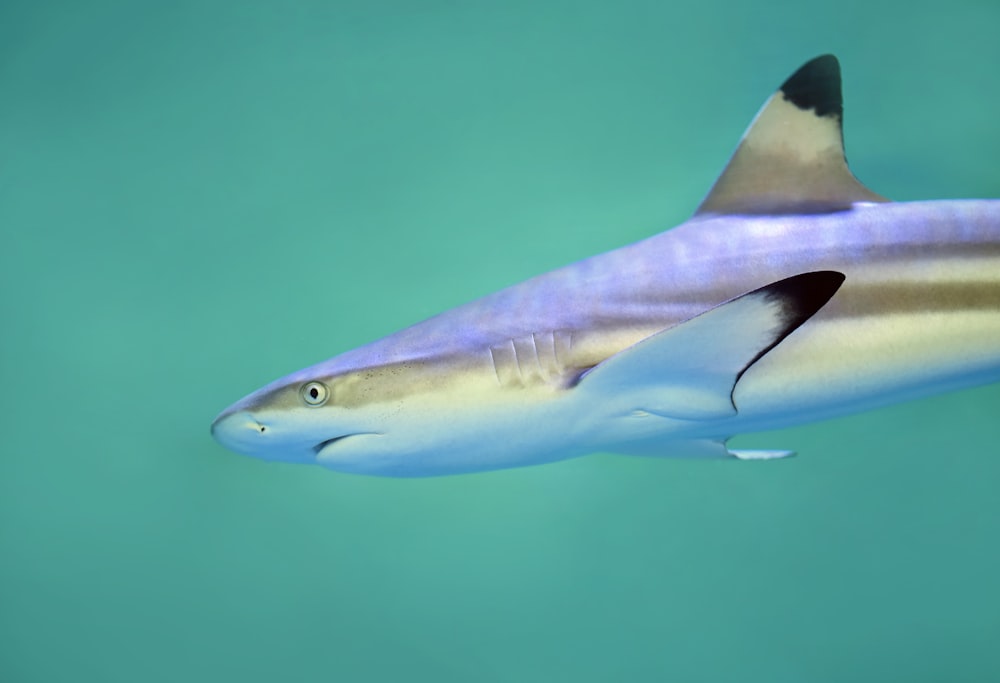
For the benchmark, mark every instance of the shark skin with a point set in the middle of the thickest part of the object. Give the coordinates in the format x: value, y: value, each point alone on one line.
x: 794, y: 294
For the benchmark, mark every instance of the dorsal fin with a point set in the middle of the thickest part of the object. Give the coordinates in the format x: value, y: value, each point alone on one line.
x: 791, y: 158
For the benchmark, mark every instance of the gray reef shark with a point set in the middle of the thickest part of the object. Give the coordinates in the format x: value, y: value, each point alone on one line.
x: 793, y: 294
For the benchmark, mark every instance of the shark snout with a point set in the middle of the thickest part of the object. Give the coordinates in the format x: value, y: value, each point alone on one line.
x: 238, y: 431
x: 247, y: 432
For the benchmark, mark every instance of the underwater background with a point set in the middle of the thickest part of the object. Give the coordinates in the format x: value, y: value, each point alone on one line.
x: 199, y: 197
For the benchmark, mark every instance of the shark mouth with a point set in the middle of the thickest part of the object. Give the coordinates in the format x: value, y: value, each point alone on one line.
x: 329, y: 442
x: 323, y: 444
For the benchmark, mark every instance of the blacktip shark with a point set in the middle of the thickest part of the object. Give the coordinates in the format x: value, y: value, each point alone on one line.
x: 793, y: 294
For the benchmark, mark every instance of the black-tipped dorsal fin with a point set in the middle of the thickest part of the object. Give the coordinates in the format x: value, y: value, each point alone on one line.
x: 791, y: 158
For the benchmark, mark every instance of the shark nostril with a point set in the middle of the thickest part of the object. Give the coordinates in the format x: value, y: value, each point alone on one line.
x: 238, y: 430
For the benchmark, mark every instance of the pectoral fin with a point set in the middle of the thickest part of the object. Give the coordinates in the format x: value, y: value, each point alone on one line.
x: 700, y: 449
x: 761, y: 455
x: 689, y: 371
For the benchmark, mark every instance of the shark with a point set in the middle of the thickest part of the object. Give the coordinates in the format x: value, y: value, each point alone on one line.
x: 793, y: 294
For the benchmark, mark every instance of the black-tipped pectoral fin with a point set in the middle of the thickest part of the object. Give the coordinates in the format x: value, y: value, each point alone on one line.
x: 690, y: 371
x: 791, y: 158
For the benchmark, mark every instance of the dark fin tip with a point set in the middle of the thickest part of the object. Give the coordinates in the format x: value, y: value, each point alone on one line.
x: 816, y: 86
x: 802, y: 296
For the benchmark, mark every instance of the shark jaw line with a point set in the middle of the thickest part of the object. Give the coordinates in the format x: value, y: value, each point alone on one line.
x: 322, y: 445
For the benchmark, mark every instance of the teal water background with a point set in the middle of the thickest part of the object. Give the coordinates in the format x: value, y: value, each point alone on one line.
x: 198, y: 197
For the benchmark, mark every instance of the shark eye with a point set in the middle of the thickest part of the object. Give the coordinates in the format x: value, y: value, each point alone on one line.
x: 315, y: 394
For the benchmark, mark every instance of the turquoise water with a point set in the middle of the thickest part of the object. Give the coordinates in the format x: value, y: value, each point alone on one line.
x: 198, y: 197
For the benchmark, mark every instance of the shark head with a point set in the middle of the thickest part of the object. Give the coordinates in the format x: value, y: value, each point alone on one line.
x: 345, y: 417
x: 291, y: 420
